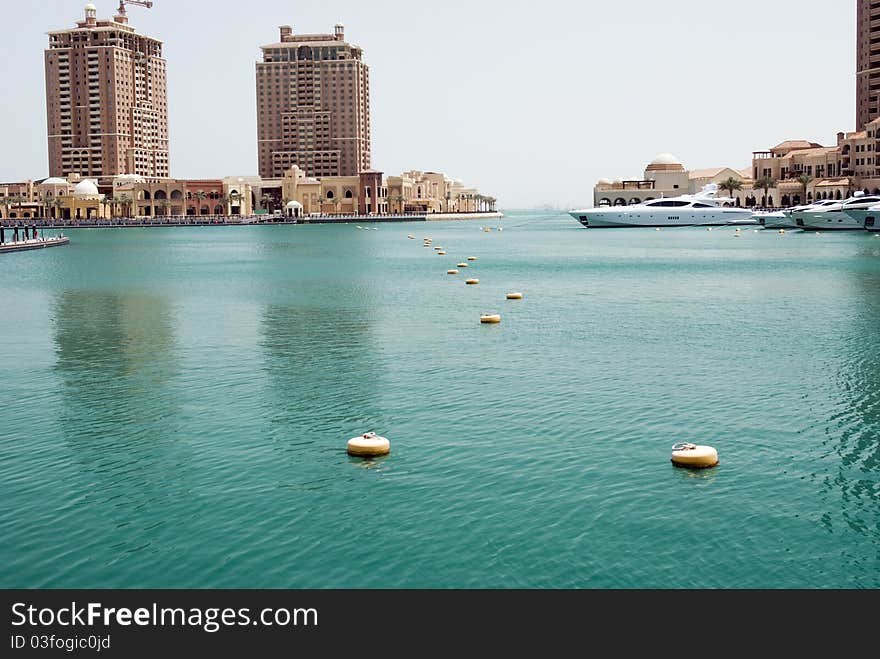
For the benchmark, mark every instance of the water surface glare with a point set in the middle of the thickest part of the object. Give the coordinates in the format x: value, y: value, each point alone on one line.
x: 176, y: 404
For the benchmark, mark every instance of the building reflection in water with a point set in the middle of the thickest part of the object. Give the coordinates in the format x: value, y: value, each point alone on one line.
x: 322, y: 373
x: 116, y: 361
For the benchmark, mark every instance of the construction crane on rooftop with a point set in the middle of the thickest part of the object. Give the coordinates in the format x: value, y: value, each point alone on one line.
x: 140, y: 3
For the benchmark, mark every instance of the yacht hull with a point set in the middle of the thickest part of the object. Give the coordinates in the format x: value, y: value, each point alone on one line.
x: 607, y: 218
x: 867, y: 219
x: 827, y: 221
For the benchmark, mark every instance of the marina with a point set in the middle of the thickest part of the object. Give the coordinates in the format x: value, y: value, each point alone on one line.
x: 195, y: 398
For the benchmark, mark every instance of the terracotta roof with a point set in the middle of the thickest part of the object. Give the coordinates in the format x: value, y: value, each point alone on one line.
x: 790, y: 145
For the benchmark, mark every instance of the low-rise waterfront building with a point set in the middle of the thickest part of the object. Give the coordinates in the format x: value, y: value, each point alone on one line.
x: 664, y: 176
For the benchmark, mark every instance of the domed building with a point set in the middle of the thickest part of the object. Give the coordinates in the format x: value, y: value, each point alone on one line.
x: 664, y: 176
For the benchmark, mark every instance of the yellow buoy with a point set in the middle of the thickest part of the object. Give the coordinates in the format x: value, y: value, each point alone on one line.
x: 472, y: 258
x: 452, y: 272
x: 441, y: 253
x: 693, y: 456
x: 490, y: 318
x: 462, y: 265
x: 514, y: 296
x: 472, y: 282
x: 368, y: 445
x: 487, y: 229
x: 438, y: 248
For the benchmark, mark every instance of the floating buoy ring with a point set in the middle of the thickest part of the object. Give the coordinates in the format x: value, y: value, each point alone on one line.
x: 368, y: 445
x: 514, y: 296
x: 452, y: 272
x: 472, y: 282
x: 490, y: 318
x: 693, y: 456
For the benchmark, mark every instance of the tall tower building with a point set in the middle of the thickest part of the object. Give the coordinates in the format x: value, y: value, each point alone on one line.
x: 106, y: 100
x: 867, y: 62
x: 313, y: 106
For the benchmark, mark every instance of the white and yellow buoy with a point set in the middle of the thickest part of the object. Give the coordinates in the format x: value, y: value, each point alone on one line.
x: 472, y: 258
x: 368, y: 445
x: 452, y: 272
x: 692, y: 456
x: 472, y: 282
x: 411, y: 237
x: 462, y: 265
x: 514, y: 296
x: 441, y: 253
x: 438, y: 248
x: 490, y: 318
x: 781, y: 231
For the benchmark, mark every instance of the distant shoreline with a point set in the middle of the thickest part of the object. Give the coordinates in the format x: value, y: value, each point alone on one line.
x: 219, y: 221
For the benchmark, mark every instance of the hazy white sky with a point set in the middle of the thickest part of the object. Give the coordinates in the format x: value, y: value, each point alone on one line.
x: 530, y: 101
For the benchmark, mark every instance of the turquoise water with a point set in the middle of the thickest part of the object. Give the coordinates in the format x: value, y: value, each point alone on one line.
x: 176, y: 405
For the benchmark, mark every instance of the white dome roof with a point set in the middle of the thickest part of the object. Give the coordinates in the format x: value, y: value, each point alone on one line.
x: 666, y: 159
x: 86, y: 188
x: 54, y: 181
x: 91, y: 7
x: 294, y: 204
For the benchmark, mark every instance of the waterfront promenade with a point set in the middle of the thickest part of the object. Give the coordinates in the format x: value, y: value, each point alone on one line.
x: 235, y: 220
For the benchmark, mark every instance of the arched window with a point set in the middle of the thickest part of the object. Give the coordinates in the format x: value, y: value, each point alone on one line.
x: 786, y: 200
x: 837, y: 195
x: 620, y: 201
x: 634, y: 201
x: 605, y: 201
x: 176, y: 194
x: 329, y: 194
x: 160, y: 194
x: 205, y: 210
x: 218, y: 210
x: 348, y: 194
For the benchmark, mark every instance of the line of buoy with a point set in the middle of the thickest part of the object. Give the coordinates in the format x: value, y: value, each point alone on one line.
x: 490, y: 318
x: 472, y: 258
x: 692, y: 456
x: 368, y: 445
x: 462, y: 265
x: 472, y: 282
x: 452, y: 272
x: 514, y: 296
x: 441, y: 253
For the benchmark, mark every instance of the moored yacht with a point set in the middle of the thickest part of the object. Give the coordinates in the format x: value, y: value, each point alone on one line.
x: 836, y: 216
x: 701, y: 209
x: 868, y: 218
x: 782, y: 219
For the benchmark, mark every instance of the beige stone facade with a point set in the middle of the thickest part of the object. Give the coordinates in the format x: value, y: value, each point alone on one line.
x: 867, y: 61
x: 313, y: 106
x: 665, y: 176
x: 106, y: 100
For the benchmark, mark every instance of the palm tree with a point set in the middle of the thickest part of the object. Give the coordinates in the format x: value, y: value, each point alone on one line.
x: 104, y: 202
x: 163, y: 205
x: 765, y: 183
x: 200, y: 197
x: 235, y: 200
x: 804, y: 180
x: 335, y: 201
x: 448, y: 197
x: 58, y: 203
x: 731, y: 185
x: 266, y: 201
x: 7, y: 202
x: 125, y: 204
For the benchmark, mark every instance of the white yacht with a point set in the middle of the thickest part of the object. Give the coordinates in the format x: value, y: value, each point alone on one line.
x: 783, y: 219
x: 835, y: 217
x: 867, y: 218
x: 701, y: 209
